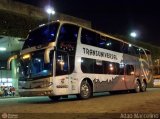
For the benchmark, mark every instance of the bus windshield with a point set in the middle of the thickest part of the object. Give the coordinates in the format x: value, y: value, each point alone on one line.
x: 35, y: 67
x: 42, y: 35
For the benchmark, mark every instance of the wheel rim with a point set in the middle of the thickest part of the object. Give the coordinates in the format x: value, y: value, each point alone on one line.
x: 137, y: 87
x: 85, y: 90
x: 143, y: 86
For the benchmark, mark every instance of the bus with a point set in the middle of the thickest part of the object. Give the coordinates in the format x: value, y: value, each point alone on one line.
x: 62, y: 58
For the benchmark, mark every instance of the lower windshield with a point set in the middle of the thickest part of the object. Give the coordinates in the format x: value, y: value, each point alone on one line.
x: 35, y: 67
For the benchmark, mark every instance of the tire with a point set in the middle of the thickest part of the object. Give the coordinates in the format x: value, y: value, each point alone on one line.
x: 143, y: 86
x: 54, y: 98
x: 137, y: 87
x: 85, y: 90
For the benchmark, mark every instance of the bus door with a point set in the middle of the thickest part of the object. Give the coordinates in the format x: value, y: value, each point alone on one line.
x: 62, y: 73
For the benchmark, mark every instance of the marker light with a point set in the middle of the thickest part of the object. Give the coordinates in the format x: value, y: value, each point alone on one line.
x: 27, y: 56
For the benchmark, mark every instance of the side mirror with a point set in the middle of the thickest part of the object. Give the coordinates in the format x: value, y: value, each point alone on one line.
x: 46, y: 54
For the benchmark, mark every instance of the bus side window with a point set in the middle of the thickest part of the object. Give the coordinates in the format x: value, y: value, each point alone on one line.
x: 142, y: 54
x: 66, y: 48
x: 67, y: 39
x: 98, y: 66
x: 110, y: 68
x: 62, y: 60
x: 121, y: 68
x: 108, y: 44
x: 125, y: 48
x: 148, y: 52
x: 129, y: 69
x: 101, y: 41
x: 68, y: 33
x: 130, y: 49
x: 116, y: 45
x: 136, y: 51
x: 87, y: 65
x: 88, y: 37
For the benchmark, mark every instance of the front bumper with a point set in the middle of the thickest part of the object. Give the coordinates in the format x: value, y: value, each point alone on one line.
x: 35, y: 92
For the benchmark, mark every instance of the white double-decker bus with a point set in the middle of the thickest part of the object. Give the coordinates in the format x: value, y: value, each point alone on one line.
x: 63, y: 58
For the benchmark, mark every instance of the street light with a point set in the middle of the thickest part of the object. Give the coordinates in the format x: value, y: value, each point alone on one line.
x: 133, y: 34
x: 50, y: 10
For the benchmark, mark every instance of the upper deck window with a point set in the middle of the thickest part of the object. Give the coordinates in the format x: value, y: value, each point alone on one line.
x: 94, y: 39
x: 42, y: 35
x: 89, y: 37
x: 67, y: 39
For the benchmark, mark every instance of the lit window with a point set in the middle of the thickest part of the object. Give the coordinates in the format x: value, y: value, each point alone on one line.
x: 4, y: 80
x: 10, y: 80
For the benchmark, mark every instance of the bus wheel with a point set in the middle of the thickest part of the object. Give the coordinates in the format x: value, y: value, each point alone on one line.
x: 143, y: 86
x: 85, y: 90
x: 54, y: 98
x: 137, y: 87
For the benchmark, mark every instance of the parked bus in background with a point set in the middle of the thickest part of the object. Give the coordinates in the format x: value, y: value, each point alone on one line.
x: 63, y: 58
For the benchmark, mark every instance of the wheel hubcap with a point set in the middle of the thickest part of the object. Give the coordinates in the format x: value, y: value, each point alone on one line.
x: 138, y: 87
x: 85, y: 89
x: 143, y: 86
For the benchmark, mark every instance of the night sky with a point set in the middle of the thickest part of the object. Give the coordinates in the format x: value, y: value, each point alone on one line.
x: 113, y: 16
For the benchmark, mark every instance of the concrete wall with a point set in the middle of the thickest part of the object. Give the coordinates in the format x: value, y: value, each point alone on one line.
x: 20, y: 8
x: 32, y: 11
